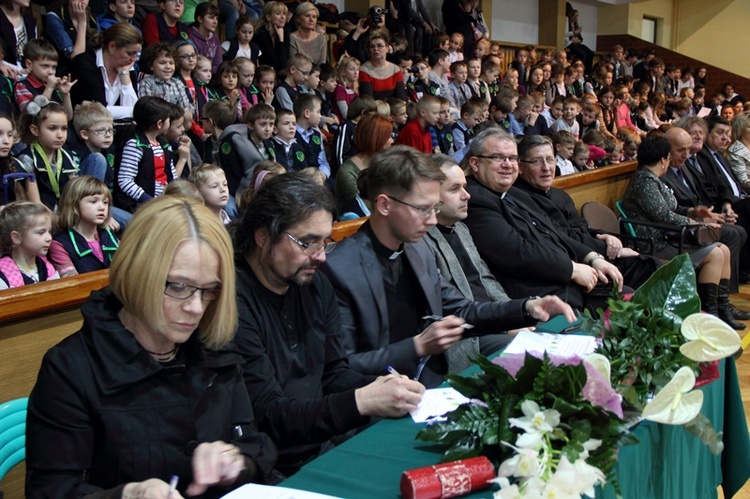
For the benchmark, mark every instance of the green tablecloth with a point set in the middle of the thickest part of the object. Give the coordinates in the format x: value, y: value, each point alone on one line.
x: 667, y: 463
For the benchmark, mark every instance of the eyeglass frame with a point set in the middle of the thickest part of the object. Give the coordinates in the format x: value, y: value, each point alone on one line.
x: 422, y: 212
x: 537, y: 163
x: 498, y: 158
x: 193, y: 289
x: 186, y: 57
x: 103, y: 132
x: 326, y: 246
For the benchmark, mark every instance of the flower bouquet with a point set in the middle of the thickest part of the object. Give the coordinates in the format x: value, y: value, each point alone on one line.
x: 553, y: 424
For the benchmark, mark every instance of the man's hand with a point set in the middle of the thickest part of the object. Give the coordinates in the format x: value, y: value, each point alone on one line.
x: 614, y: 245
x: 628, y: 252
x: 730, y: 216
x: 607, y: 270
x: 585, y: 276
x: 439, y: 336
x: 389, y: 397
x: 549, y: 306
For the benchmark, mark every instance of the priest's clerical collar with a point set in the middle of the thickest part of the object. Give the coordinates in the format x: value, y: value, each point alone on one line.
x: 446, y: 229
x: 380, y: 249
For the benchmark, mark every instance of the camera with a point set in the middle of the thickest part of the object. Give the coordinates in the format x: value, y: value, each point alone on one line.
x: 413, y: 70
x: 375, y: 16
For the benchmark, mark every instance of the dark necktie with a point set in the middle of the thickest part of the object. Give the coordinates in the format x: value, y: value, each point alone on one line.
x: 736, y: 188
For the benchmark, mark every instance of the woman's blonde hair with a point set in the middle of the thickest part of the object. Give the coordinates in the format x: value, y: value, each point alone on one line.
x: 268, y: 9
x: 303, y: 9
x: 68, y: 212
x: 341, y: 69
x: 140, y: 268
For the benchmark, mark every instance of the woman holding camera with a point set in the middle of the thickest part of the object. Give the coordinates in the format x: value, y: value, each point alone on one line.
x: 150, y: 387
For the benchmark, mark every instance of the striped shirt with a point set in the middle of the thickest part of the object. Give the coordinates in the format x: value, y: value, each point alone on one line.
x: 131, y: 159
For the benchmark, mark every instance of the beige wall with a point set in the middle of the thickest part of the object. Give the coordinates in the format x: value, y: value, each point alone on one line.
x: 715, y: 31
x: 712, y: 31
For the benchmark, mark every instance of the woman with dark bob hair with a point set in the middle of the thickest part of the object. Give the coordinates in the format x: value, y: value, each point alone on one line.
x: 648, y: 199
x: 150, y: 387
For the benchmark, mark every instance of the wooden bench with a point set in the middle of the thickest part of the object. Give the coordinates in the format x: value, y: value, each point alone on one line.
x: 34, y: 318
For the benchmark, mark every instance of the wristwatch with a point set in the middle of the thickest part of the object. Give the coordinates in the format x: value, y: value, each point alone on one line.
x: 526, y: 315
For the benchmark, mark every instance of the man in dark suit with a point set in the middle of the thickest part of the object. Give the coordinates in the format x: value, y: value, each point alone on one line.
x: 691, y: 185
x: 706, y: 180
x: 396, y: 310
x: 536, y: 174
x: 654, y: 76
x: 521, y: 245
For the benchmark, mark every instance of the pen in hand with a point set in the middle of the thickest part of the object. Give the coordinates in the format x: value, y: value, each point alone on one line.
x: 172, y: 485
x: 393, y: 371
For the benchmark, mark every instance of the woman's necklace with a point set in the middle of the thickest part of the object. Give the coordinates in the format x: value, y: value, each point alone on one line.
x: 164, y: 356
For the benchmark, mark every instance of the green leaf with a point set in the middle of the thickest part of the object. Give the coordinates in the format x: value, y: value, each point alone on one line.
x: 672, y: 287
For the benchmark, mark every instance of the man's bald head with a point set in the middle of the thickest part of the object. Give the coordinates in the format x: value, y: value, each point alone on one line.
x: 680, y: 141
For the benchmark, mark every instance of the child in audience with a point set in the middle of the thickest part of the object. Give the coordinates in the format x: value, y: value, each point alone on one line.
x: 21, y: 189
x: 225, y: 85
x: 218, y: 115
x: 181, y: 187
x: 471, y: 115
x: 519, y: 64
x: 40, y: 58
x: 241, y: 147
x: 83, y: 242
x: 630, y: 142
x: 147, y: 161
x: 416, y: 132
x: 285, y: 142
x: 683, y: 107
x: 594, y: 140
x: 440, y: 66
x: 554, y: 112
x: 501, y: 108
x: 265, y: 82
x: 343, y: 147
x: 580, y: 157
x: 44, y: 126
x: 118, y: 11
x: 212, y: 185
x: 478, y: 87
x: 327, y: 82
x: 523, y: 118
x: 420, y: 85
x: 565, y: 143
x: 165, y: 27
x: 186, y: 59
x: 177, y: 140
x: 298, y: 69
x: 442, y: 139
x: 589, y: 118
x: 94, y: 125
x: 458, y: 91
x: 241, y: 45
x: 203, y: 33
x: 622, y: 108
x: 490, y: 74
x: 495, y: 48
x: 265, y: 171
x: 25, y: 238
x: 557, y: 86
x: 613, y: 146
x: 455, y: 52
x: 160, y: 60
x: 481, y: 48
x: 347, y: 88
x: 307, y: 112
x: 568, y: 120
x: 246, y: 70
x: 606, y: 99
x: 398, y: 114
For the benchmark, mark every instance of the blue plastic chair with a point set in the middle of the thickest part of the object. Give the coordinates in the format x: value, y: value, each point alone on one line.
x: 12, y: 434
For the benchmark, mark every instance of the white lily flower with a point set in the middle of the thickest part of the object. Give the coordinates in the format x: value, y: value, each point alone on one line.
x: 675, y: 404
x: 601, y: 364
x: 508, y: 492
x: 535, y: 419
x: 522, y: 464
x: 709, y: 337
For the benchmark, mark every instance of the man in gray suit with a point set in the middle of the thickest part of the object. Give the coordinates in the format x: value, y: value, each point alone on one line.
x: 459, y: 262
x: 396, y: 310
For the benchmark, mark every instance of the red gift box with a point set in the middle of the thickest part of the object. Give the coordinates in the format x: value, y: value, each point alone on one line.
x: 447, y: 480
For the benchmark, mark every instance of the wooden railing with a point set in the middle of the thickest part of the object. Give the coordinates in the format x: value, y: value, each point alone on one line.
x: 36, y: 317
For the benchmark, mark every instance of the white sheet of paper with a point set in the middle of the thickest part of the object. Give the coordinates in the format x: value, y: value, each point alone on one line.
x: 255, y: 491
x: 564, y: 345
x: 436, y: 402
x: 705, y: 111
